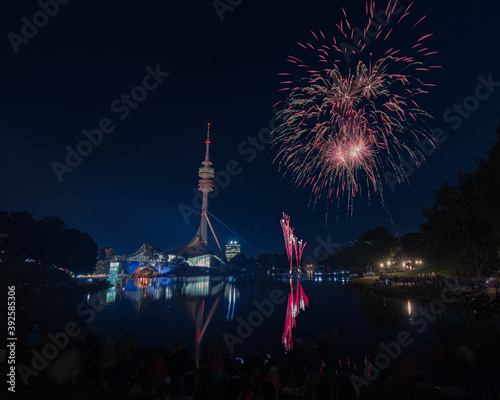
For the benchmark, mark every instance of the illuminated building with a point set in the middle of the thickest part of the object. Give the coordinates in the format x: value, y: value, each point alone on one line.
x: 232, y: 249
x: 113, y: 269
x: 196, y: 252
x: 146, y: 258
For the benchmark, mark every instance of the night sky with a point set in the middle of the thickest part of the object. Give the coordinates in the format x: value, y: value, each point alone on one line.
x: 70, y: 76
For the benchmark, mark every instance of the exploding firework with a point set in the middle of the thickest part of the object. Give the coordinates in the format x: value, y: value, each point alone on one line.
x: 342, y: 131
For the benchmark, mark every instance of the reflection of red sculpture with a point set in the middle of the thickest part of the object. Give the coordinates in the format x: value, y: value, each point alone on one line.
x: 197, y: 310
x: 142, y: 282
x: 296, y: 301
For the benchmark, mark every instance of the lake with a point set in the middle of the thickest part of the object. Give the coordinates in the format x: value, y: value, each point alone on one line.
x: 331, y: 323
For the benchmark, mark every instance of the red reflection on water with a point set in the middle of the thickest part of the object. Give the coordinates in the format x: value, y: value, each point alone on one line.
x: 296, y: 301
x: 143, y: 282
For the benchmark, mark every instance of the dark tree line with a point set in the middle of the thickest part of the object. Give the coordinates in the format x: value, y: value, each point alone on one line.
x: 463, y: 223
x: 260, y: 265
x: 46, y: 242
x: 376, y: 246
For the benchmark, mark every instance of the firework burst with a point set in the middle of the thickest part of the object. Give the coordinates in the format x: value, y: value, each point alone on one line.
x: 340, y: 130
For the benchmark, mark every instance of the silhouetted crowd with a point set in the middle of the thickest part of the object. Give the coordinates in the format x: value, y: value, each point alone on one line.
x: 96, y: 368
x: 91, y: 367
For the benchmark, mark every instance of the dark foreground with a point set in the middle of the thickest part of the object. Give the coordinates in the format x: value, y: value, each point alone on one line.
x: 91, y: 368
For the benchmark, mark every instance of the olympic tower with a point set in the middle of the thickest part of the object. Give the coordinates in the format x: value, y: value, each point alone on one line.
x: 205, y: 185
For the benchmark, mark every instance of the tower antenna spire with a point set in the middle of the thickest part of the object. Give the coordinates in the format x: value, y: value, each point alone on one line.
x: 208, y: 143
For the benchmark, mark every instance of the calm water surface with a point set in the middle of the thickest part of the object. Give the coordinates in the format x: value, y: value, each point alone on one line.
x: 325, y: 313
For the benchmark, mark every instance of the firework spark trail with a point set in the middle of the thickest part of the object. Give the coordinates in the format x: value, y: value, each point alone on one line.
x: 288, y: 236
x: 339, y: 131
x: 300, y: 246
x: 292, y: 243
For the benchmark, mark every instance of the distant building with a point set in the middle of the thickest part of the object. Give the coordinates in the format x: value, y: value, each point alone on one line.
x: 146, y: 257
x: 309, y: 265
x: 113, y: 269
x: 232, y: 249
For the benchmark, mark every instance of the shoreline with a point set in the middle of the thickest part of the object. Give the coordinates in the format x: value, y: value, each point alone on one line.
x: 410, y: 292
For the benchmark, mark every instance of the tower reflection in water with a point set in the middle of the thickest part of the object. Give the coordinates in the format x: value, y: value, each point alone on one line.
x: 296, y: 301
x: 195, y: 293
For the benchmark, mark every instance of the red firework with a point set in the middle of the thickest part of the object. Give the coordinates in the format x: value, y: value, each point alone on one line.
x: 339, y: 129
x: 292, y: 244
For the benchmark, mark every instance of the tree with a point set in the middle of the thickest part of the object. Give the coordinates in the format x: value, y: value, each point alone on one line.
x: 267, y: 260
x: 411, y: 247
x: 344, y: 258
x: 457, y: 233
x: 238, y: 262
x: 375, y: 246
x: 81, y: 251
x: 486, y: 193
x: 47, y: 241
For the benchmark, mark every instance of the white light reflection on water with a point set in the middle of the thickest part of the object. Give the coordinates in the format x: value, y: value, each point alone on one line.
x: 230, y: 294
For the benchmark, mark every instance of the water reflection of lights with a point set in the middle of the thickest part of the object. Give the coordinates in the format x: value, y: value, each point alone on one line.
x: 231, y: 293
x: 152, y: 289
x: 344, y: 280
x: 296, y: 302
x: 409, y: 307
x: 194, y: 292
x: 196, y: 286
x: 143, y: 282
x: 111, y: 294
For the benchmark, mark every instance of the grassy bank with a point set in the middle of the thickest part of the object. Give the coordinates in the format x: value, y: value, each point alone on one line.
x: 368, y: 284
x: 406, y: 292
x: 427, y: 270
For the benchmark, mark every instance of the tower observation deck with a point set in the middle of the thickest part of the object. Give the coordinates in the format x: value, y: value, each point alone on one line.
x: 205, y: 185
